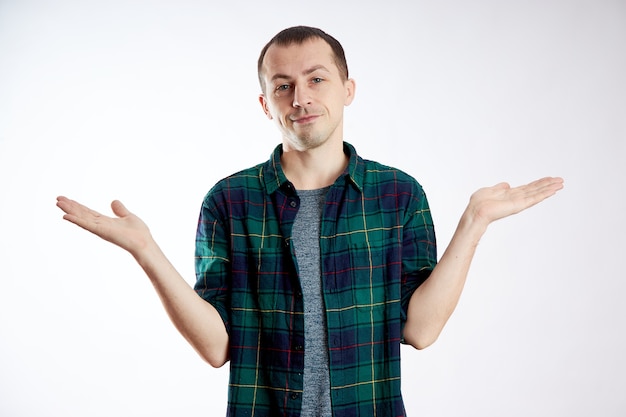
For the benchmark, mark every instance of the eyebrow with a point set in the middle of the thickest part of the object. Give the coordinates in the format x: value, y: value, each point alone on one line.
x: 305, y: 72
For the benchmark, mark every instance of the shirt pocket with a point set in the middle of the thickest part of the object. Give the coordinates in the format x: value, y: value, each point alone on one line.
x: 367, y: 273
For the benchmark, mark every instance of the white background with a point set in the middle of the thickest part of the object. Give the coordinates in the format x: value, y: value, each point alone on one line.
x: 152, y: 102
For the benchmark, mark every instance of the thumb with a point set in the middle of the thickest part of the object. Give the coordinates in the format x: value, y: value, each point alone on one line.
x: 119, y: 209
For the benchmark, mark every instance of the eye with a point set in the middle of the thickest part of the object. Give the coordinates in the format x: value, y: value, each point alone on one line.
x: 317, y: 80
x: 283, y: 87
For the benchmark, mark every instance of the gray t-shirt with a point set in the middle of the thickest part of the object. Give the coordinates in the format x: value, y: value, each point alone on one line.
x: 305, y: 238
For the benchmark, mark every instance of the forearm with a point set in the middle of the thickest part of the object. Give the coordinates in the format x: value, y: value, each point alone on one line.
x: 433, y: 302
x: 197, y: 320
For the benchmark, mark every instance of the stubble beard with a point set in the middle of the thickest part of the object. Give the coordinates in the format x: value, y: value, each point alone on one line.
x: 307, y: 140
x: 309, y: 137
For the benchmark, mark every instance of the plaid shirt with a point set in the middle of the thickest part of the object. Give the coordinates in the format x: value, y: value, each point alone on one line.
x: 377, y: 245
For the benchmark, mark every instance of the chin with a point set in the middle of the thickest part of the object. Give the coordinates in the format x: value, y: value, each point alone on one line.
x: 306, y: 143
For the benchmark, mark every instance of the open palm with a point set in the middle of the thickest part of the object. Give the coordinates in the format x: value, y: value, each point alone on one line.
x: 126, y: 230
x: 492, y: 203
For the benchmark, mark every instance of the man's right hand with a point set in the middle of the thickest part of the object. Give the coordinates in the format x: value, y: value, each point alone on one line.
x: 126, y: 230
x: 197, y: 320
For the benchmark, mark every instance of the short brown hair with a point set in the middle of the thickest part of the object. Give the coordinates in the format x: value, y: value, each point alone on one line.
x: 299, y: 34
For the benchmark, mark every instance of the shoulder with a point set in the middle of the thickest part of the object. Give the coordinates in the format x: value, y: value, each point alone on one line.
x: 392, y: 188
x: 246, y: 181
x: 377, y: 174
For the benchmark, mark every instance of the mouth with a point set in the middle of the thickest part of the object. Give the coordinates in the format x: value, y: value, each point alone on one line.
x: 304, y: 119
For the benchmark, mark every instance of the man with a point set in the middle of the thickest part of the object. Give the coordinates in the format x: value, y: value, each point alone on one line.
x: 313, y: 267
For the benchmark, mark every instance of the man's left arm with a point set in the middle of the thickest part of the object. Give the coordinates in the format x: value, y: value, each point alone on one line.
x: 433, y: 302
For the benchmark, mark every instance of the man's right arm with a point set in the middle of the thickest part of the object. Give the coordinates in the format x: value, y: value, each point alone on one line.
x: 197, y: 320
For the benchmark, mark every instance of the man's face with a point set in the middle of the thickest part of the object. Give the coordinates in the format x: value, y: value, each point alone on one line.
x: 305, y: 94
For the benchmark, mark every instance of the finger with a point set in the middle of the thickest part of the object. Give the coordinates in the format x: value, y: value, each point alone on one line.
x: 549, y: 182
x: 70, y: 206
x: 63, y: 202
x: 539, y: 190
x: 541, y: 186
x: 79, y: 214
x: 547, y: 186
x: 80, y: 210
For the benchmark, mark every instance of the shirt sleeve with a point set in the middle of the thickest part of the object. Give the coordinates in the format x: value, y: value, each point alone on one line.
x: 419, y: 248
x: 212, y: 261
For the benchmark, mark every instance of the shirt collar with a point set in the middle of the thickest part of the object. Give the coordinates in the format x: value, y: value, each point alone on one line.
x: 275, y: 178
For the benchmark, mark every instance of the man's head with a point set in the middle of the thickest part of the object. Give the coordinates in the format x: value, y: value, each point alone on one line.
x: 298, y: 35
x: 305, y: 87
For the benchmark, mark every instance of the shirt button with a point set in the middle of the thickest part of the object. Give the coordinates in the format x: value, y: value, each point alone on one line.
x: 293, y: 203
x: 298, y: 348
x: 294, y: 395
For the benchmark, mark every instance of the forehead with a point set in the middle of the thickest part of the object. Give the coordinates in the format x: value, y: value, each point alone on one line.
x: 295, y: 58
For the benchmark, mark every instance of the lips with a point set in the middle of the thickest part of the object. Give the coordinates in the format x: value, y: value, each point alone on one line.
x: 304, y: 119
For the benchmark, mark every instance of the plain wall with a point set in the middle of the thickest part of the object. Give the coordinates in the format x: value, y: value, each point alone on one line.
x: 152, y: 102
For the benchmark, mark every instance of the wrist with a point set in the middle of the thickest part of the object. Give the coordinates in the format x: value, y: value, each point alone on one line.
x: 145, y: 252
x: 471, y: 225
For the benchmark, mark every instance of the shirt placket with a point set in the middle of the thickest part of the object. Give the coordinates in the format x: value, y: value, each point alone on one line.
x: 335, y: 201
x: 288, y: 203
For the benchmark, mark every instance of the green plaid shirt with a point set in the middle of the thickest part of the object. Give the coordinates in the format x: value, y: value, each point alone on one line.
x: 377, y: 245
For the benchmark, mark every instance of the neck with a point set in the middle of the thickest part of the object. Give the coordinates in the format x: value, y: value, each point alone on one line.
x: 314, y: 168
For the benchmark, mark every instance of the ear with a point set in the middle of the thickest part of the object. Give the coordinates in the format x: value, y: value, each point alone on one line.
x: 350, y: 91
x: 264, y: 105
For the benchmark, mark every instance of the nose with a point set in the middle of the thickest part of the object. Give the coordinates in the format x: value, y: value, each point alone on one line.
x: 301, y: 97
